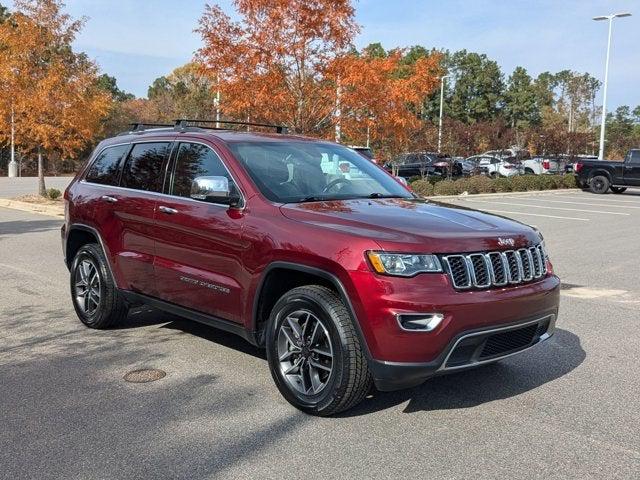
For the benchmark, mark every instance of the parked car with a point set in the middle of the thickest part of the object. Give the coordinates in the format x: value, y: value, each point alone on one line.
x: 495, y: 166
x: 308, y: 250
x: 470, y: 166
x: 543, y: 165
x: 366, y: 152
x: 417, y: 164
x: 600, y: 176
x: 512, y: 153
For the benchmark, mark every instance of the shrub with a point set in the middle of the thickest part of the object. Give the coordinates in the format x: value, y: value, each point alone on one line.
x: 446, y: 187
x: 53, y: 193
x: 568, y: 181
x: 422, y: 187
x: 524, y: 183
x: 502, y: 185
x: 480, y: 184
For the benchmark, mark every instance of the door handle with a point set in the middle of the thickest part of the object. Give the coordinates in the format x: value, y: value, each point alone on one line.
x: 109, y: 199
x: 167, y: 210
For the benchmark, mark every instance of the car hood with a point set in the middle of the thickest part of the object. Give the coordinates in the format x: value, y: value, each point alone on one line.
x: 407, y: 224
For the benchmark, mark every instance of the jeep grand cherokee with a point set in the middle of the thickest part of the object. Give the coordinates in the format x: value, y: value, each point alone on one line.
x: 307, y: 249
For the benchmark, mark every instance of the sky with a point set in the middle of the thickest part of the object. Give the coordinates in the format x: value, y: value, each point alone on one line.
x: 139, y: 40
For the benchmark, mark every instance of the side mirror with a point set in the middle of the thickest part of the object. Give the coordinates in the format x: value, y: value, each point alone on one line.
x: 214, y: 190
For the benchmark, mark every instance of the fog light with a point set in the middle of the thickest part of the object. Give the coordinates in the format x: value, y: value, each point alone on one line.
x: 420, y: 322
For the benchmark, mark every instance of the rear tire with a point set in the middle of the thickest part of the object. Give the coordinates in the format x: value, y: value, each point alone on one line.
x: 96, y: 299
x: 599, y: 184
x: 314, y: 352
x: 618, y: 189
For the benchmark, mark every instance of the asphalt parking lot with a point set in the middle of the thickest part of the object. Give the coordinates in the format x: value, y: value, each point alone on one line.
x: 15, y: 187
x: 568, y: 409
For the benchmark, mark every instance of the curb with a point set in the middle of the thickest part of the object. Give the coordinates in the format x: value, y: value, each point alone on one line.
x: 557, y: 191
x: 50, y: 210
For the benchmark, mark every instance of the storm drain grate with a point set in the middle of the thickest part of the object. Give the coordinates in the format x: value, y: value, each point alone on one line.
x: 144, y: 375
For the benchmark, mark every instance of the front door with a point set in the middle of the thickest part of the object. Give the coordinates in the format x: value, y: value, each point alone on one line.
x: 198, y: 243
x: 632, y: 168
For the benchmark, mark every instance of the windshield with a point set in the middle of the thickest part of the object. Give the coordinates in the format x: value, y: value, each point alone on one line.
x: 288, y: 172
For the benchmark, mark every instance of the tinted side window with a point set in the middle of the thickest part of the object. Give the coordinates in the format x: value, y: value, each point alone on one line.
x: 635, y: 156
x: 143, y: 170
x: 196, y: 160
x: 106, y: 167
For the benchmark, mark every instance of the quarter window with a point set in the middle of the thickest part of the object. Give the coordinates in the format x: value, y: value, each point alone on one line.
x: 143, y: 170
x: 105, y: 170
x: 196, y: 160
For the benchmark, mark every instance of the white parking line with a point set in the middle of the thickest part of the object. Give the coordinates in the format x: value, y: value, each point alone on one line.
x: 535, y: 215
x: 549, y: 208
x: 608, y: 200
x: 580, y: 203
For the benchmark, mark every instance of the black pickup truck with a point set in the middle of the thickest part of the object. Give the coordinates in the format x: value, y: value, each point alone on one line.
x: 600, y: 176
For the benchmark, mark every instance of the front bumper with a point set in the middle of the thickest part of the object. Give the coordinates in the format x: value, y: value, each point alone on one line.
x: 467, y: 350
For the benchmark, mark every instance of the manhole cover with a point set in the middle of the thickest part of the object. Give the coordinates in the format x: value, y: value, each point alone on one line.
x: 144, y: 375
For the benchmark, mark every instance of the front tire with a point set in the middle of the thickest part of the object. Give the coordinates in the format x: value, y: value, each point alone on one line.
x: 95, y: 297
x: 314, y: 352
x: 618, y: 189
x: 599, y: 184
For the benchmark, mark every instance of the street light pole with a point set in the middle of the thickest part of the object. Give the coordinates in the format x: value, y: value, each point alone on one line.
x: 441, y: 105
x: 13, y: 165
x: 606, y: 78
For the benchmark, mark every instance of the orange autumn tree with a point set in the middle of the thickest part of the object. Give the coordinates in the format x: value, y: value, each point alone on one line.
x: 55, y: 97
x: 383, y: 94
x: 272, y: 64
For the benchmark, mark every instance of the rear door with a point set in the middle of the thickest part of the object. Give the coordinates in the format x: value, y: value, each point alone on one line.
x: 198, y: 243
x: 134, y: 205
x: 632, y: 168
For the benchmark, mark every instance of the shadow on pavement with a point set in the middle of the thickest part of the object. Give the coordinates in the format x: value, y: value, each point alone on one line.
x: 510, y: 377
x: 18, y: 227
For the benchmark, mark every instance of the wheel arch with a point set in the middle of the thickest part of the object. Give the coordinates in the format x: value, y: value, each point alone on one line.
x: 600, y: 172
x: 271, y: 288
x: 79, y: 235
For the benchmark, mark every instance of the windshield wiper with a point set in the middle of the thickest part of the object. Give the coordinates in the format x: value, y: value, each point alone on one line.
x: 311, y: 198
x: 382, y: 195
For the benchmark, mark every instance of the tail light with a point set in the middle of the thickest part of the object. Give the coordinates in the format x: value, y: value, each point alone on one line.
x: 545, y: 164
x: 578, y: 166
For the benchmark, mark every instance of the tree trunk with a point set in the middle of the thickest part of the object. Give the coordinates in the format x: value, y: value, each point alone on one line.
x: 42, y: 190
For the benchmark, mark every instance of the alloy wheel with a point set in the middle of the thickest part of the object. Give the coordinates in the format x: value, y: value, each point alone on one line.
x: 305, y: 353
x: 87, y: 287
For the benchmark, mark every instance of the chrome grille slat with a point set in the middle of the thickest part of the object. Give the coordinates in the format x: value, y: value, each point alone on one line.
x: 526, y: 264
x: 537, y: 261
x: 496, y: 269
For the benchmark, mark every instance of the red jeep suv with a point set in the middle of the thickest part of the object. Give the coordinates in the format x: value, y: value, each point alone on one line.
x: 307, y: 249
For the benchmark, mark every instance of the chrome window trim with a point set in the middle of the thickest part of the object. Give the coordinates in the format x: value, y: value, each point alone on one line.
x: 242, y: 194
x: 242, y: 206
x: 542, y: 338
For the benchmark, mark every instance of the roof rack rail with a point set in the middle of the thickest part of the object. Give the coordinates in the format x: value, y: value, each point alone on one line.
x: 183, y: 123
x: 139, y: 126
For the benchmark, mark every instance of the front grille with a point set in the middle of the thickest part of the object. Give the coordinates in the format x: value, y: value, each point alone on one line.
x: 496, y: 269
x: 505, y: 342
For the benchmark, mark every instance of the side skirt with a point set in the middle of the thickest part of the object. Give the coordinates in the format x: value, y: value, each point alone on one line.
x: 216, y: 322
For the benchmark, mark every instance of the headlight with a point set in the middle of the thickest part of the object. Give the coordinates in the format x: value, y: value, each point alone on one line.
x: 403, y: 264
